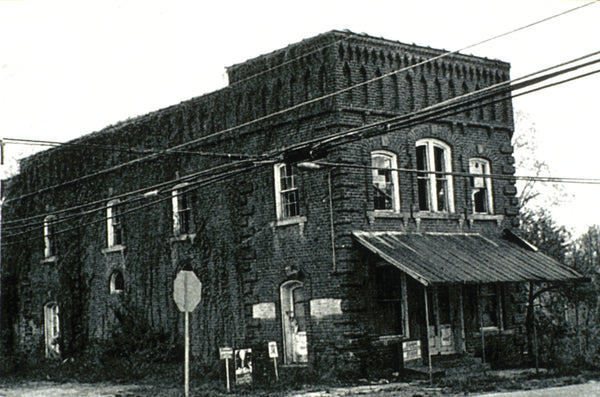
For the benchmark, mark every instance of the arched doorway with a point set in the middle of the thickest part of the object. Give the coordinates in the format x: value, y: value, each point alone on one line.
x: 293, y: 321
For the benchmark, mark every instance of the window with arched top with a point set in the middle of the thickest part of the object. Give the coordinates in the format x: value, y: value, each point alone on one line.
x: 386, y: 194
x: 182, y: 211
x: 114, y: 226
x: 49, y: 236
x: 294, y: 316
x: 434, y: 183
x: 481, y: 186
x: 51, y: 329
x: 117, y: 282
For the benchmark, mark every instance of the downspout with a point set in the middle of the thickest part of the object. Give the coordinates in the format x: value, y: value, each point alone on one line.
x: 333, y: 256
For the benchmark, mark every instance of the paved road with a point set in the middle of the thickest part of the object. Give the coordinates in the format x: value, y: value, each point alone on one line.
x: 49, y: 389
x: 590, y: 389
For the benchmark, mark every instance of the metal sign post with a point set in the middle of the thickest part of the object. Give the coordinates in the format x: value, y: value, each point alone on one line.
x: 226, y: 353
x: 187, y: 290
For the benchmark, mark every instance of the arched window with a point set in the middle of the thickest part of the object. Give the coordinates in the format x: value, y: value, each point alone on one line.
x: 385, y: 181
x: 117, y: 282
x: 51, y: 329
x: 293, y: 321
x: 49, y: 237
x: 481, y: 186
x: 182, y: 211
x: 435, y: 187
x: 114, y: 226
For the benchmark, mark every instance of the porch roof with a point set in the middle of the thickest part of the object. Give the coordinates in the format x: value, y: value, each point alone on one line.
x: 445, y: 258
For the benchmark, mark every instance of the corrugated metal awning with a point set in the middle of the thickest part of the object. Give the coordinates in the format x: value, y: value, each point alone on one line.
x: 444, y: 258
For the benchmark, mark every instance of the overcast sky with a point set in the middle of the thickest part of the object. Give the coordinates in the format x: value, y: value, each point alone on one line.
x: 69, y: 68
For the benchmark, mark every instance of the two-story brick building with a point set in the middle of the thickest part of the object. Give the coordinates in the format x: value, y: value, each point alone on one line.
x: 320, y: 200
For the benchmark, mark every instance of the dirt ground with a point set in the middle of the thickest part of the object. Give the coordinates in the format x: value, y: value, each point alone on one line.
x: 51, y: 389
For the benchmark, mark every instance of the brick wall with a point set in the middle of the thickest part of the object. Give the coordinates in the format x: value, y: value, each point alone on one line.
x: 239, y: 252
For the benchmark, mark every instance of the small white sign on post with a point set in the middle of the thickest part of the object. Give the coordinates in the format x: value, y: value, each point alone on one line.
x: 187, y: 290
x: 226, y: 353
x: 273, y: 353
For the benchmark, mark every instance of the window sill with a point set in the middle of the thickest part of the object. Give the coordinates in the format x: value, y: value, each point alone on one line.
x: 113, y: 248
x: 295, y: 365
x: 49, y: 260
x: 387, y: 214
x: 296, y: 220
x: 436, y: 215
x: 488, y: 330
x: 385, y: 339
x: 184, y: 237
x: 485, y: 217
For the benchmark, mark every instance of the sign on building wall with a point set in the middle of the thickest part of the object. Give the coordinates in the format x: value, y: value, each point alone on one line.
x: 411, y: 350
x: 320, y: 308
x: 243, y: 366
x: 264, y: 311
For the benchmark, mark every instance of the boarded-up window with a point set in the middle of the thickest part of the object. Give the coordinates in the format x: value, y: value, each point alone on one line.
x: 385, y: 181
x: 481, y: 186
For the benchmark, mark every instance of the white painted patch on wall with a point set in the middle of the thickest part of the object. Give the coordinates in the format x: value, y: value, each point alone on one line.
x: 325, y: 307
x: 264, y: 311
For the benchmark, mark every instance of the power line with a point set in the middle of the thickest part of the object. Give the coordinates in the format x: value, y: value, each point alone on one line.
x: 454, y: 107
x: 155, y: 155
x: 536, y: 178
x: 445, y: 108
x: 37, y: 142
x: 190, y: 187
x: 156, y: 188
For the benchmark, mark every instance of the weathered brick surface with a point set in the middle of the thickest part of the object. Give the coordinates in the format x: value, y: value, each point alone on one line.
x: 239, y: 252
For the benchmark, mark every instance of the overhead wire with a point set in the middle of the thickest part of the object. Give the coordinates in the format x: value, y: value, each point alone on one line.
x: 293, y: 107
x: 170, y: 182
x: 338, y: 164
x: 140, y: 193
x: 188, y: 188
x: 533, y: 178
x: 39, y: 142
x: 458, y: 107
x: 454, y: 108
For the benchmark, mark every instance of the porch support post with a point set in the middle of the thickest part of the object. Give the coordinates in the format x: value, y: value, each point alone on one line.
x: 428, y: 336
x: 462, y: 321
x: 480, y: 307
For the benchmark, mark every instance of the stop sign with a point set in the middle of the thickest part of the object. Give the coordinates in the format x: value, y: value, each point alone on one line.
x: 187, y: 290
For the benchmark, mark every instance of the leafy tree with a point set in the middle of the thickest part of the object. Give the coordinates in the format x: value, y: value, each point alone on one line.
x: 533, y: 194
x: 584, y: 300
x: 538, y: 227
